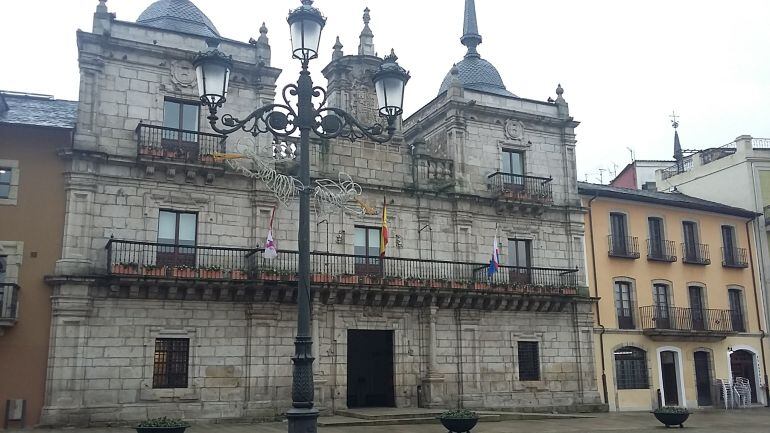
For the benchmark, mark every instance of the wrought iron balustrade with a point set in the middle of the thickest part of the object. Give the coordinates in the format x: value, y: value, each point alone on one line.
x: 9, y: 302
x: 696, y: 254
x: 662, y: 251
x: 180, y: 145
x: 154, y: 260
x: 517, y: 187
x: 735, y: 258
x: 626, y: 247
x: 686, y: 319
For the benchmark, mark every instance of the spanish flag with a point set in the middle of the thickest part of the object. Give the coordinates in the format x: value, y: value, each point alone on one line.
x: 384, y: 229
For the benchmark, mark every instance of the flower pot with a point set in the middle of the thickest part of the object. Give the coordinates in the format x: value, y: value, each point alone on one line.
x: 458, y: 285
x: 459, y: 425
x: 210, y: 274
x: 395, y: 282
x: 321, y: 278
x: 184, y: 273
x: 207, y: 159
x: 480, y: 286
x: 269, y: 277
x: 125, y: 269
x: 160, y: 429
x: 347, y: 279
x: 238, y: 275
x: 154, y: 272
x: 289, y: 277
x: 669, y: 419
x: 414, y: 282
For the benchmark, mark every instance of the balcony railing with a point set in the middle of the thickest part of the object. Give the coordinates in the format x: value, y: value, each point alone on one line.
x: 661, y: 251
x: 735, y: 258
x: 9, y: 301
x: 626, y: 247
x: 687, y: 319
x: 154, y: 260
x: 521, y: 188
x: 159, y: 142
x: 696, y: 254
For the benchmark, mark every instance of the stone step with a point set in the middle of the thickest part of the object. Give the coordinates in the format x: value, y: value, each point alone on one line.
x: 340, y: 421
x: 377, y: 413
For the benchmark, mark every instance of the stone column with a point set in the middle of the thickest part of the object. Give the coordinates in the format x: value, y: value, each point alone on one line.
x: 433, y: 383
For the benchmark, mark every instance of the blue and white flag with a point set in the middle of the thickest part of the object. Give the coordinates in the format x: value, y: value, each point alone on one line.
x: 494, y: 263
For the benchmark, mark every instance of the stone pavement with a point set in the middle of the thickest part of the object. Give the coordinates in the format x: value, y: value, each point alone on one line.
x: 743, y: 421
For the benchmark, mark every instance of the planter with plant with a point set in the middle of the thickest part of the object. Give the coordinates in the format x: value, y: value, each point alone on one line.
x: 162, y: 425
x: 672, y: 415
x: 185, y: 272
x: 459, y: 420
x: 129, y: 268
x: 154, y: 271
x: 394, y: 281
x: 211, y: 272
x: 321, y: 278
x: 347, y: 279
x: 238, y: 274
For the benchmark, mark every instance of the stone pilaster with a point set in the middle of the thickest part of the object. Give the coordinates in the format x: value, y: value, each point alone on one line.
x: 433, y: 384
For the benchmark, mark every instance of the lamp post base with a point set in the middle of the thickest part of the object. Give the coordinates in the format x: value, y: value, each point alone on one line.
x: 302, y: 420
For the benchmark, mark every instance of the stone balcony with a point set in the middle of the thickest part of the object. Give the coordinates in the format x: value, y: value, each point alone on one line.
x: 166, y: 271
x: 170, y: 147
x: 676, y: 323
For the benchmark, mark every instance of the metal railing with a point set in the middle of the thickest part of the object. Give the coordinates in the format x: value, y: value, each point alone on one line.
x: 687, y: 319
x: 521, y: 188
x: 180, y: 145
x: 735, y: 257
x: 9, y: 302
x: 662, y: 251
x: 626, y: 247
x: 129, y: 258
x: 696, y: 254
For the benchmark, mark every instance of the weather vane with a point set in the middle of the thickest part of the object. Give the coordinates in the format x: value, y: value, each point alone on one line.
x: 674, y: 121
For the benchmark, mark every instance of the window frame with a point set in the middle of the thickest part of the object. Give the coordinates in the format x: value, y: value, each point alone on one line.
x: 619, y: 236
x: 513, y: 248
x: 657, y: 243
x: 10, y: 172
x: 14, y: 168
x: 506, y: 153
x: 163, y: 379
x: 691, y: 250
x: 740, y: 311
x: 632, y: 372
x: 624, y: 321
x: 524, y: 352
x: 182, y: 102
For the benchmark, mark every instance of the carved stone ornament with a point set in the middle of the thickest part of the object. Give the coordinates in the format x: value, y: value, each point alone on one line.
x: 182, y: 73
x: 514, y: 129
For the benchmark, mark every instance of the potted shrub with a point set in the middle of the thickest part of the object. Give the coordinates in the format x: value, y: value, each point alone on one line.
x: 480, y: 286
x: 154, y: 271
x: 184, y: 272
x: 672, y: 415
x: 321, y: 278
x: 459, y: 420
x: 211, y: 272
x: 458, y: 284
x: 162, y: 425
x: 238, y: 274
x: 394, y: 281
x: 414, y: 282
x: 269, y: 275
x: 125, y: 268
x: 289, y: 276
x: 347, y: 279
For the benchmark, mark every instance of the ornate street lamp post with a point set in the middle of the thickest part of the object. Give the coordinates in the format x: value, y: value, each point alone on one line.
x: 283, y: 120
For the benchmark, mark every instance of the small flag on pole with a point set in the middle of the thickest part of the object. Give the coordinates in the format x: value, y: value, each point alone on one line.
x: 270, y: 248
x: 384, y: 229
x: 494, y: 263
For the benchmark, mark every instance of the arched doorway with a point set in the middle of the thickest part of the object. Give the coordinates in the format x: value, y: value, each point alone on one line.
x: 703, y: 377
x: 743, y: 364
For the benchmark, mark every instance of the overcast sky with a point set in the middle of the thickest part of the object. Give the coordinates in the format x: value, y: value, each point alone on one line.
x: 624, y: 65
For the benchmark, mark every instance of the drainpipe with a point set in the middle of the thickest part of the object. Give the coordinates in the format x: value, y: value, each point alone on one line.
x: 460, y: 360
x: 596, y: 294
x: 759, y: 314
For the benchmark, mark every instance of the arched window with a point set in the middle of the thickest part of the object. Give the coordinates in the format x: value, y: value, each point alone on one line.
x: 631, y: 368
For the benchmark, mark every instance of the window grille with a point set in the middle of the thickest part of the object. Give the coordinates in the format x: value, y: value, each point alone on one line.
x: 631, y: 368
x: 529, y: 361
x: 172, y: 357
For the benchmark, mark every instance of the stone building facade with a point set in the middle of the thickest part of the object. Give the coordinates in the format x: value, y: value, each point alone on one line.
x: 164, y: 304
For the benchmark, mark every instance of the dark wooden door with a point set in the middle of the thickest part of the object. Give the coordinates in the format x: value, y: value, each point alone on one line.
x: 177, y: 233
x: 690, y: 240
x: 696, y: 308
x: 670, y: 382
x: 728, y: 244
x: 656, y: 237
x: 370, y: 369
x: 619, y: 232
x: 742, y: 365
x: 703, y: 378
x: 662, y: 307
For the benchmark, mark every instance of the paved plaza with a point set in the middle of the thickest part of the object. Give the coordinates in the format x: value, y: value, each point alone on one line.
x: 743, y: 421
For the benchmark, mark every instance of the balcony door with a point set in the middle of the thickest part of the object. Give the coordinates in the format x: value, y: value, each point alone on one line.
x: 181, y: 122
x: 697, y: 308
x: 691, y: 240
x: 624, y: 305
x: 655, y: 226
x: 512, y: 165
x: 619, y: 232
x: 520, y: 260
x: 177, y: 233
x: 367, y: 251
x: 736, y: 310
x: 660, y: 295
x: 728, y: 245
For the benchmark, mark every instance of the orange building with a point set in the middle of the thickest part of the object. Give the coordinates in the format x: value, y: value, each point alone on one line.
x: 34, y: 129
x: 679, y: 301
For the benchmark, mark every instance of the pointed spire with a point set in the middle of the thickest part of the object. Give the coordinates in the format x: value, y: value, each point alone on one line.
x: 678, y: 154
x: 471, y: 37
x: 366, y: 46
x: 337, y: 53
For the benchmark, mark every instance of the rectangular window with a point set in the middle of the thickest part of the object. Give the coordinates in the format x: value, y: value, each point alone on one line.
x: 624, y: 305
x: 660, y: 297
x: 529, y: 361
x: 512, y: 167
x: 177, y: 231
x: 690, y: 240
x: 736, y: 310
x: 172, y: 359
x: 697, y: 308
x: 728, y: 245
x: 180, y: 120
x: 619, y: 233
x: 3, y: 266
x: 5, y: 182
x: 520, y: 258
x: 655, y: 226
x: 366, y: 245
